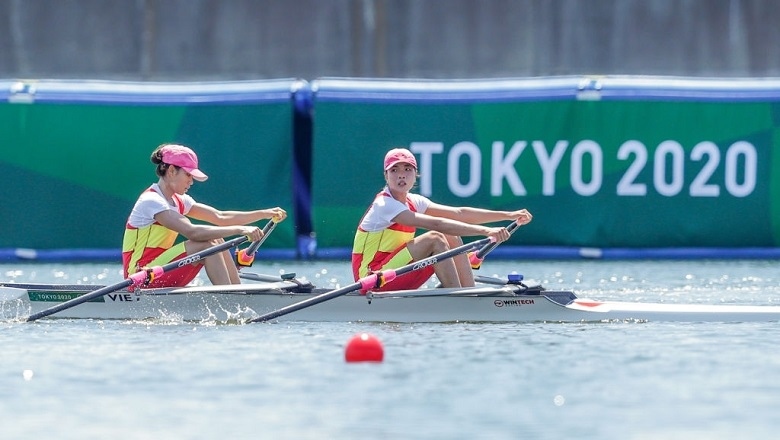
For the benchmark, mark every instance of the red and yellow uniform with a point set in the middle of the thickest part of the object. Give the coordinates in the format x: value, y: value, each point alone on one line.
x: 381, y: 244
x: 147, y: 243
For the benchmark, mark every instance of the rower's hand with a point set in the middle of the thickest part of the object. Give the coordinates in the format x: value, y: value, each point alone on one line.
x: 253, y: 233
x: 277, y: 214
x: 522, y: 217
x: 499, y: 234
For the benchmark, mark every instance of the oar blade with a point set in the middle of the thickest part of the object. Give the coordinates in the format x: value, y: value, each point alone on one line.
x: 80, y: 299
x: 138, y: 277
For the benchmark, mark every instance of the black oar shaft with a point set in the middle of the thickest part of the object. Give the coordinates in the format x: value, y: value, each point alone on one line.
x: 246, y: 257
x: 417, y: 265
x: 252, y: 249
x: 186, y: 261
x: 489, y: 248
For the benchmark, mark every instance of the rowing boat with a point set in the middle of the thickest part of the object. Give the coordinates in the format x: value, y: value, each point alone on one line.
x: 492, y: 300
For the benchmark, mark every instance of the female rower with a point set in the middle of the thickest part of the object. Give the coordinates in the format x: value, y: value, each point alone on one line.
x: 385, y: 238
x: 163, y: 211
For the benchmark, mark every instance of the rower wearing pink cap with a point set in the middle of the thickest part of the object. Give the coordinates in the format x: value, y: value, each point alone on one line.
x: 163, y: 211
x: 385, y: 238
x: 182, y: 157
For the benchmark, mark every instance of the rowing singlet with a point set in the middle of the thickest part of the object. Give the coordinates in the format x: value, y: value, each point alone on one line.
x: 377, y: 237
x: 144, y: 238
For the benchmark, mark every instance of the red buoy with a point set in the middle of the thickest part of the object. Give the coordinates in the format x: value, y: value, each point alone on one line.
x: 364, y: 347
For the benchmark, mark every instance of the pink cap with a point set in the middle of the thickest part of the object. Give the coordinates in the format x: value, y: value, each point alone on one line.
x: 397, y: 155
x: 184, y: 158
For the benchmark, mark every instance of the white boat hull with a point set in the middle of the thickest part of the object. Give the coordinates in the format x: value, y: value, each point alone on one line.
x: 504, y: 303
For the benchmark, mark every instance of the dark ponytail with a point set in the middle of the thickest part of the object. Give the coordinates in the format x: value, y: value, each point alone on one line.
x: 157, y: 159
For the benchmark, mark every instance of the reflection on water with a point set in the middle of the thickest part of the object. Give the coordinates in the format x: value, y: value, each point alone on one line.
x: 715, y: 281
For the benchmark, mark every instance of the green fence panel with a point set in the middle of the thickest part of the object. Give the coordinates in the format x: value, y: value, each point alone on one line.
x: 612, y: 162
x: 75, y: 155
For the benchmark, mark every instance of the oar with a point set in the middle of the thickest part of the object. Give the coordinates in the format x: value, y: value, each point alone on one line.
x: 490, y: 280
x: 260, y: 277
x: 140, y: 277
x: 268, y: 278
x: 375, y: 280
x: 246, y: 257
x: 475, y: 258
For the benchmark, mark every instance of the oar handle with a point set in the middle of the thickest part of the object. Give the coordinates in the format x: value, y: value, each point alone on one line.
x: 373, y: 280
x: 246, y: 257
x: 476, y: 258
x: 140, y: 277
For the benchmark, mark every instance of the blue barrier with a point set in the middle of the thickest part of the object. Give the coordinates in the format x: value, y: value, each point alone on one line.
x: 108, y: 255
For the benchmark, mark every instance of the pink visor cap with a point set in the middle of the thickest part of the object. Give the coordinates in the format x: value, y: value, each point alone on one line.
x: 398, y: 155
x: 183, y: 158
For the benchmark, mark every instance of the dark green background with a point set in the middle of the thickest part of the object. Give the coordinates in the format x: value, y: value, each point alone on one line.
x: 352, y: 135
x: 71, y: 172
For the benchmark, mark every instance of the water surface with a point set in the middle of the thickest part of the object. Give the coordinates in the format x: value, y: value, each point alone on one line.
x: 78, y: 379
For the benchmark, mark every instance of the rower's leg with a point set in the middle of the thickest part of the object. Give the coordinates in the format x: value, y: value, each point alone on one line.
x: 462, y: 264
x: 216, y: 269
x: 230, y: 265
x: 432, y: 243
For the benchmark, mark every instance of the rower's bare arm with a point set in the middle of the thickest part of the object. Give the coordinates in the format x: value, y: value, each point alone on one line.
x: 217, y: 217
x: 197, y: 232
x: 441, y: 224
x: 471, y: 215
